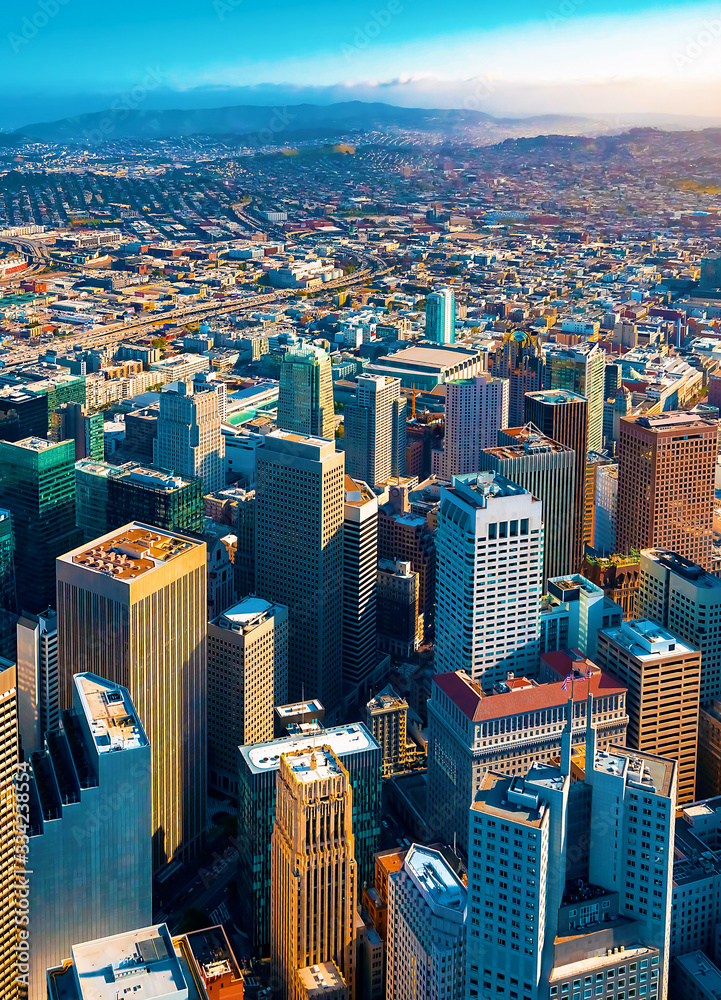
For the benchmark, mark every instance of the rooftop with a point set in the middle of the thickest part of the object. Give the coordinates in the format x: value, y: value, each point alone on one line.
x: 556, y: 397
x: 246, y: 615
x: 646, y: 640
x: 130, y: 552
x: 480, y: 487
x: 598, y: 962
x: 111, y: 714
x: 436, y: 881
x: 706, y: 975
x: 319, y: 980
x: 493, y: 797
x: 386, y: 700
x: 683, y: 567
x: 357, y: 492
x: 313, y: 763
x: 342, y: 740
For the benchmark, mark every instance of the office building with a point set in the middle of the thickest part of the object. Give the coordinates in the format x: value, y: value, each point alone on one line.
x: 426, y: 943
x: 695, y: 977
x: 666, y: 468
x: 12, y: 856
x: 579, y: 369
x: 8, y: 590
x: 90, y: 848
x: 258, y: 769
x: 314, y: 881
x: 427, y: 366
x: 687, y: 600
x: 661, y: 672
x: 37, y: 486
x: 441, y: 316
x: 189, y: 440
x: 305, y: 396
x: 476, y: 409
x: 577, y: 909
x: 375, y: 430
x: 594, y: 464
x: 708, y: 758
x: 387, y: 720
x: 519, y: 725
x: 617, y: 576
x: 299, y: 556
x: 211, y: 382
x: 410, y: 537
x: 696, y: 887
x: 573, y: 610
x: 488, y: 584
x: 132, y: 608
x: 546, y: 469
x: 247, y: 678
x: 399, y: 627
x: 38, y: 683
x: 519, y: 360
x: 23, y: 413
x: 244, y: 565
x: 604, y: 534
x: 360, y: 562
x: 563, y: 416
x: 72, y: 422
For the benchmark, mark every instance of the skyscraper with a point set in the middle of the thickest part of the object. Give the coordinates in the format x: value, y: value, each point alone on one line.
x: 687, y: 600
x: 360, y: 560
x: 546, y: 469
x: 488, y: 584
x: 189, y: 439
x: 426, y: 928
x: 299, y: 556
x: 563, y: 416
x: 247, y: 678
x: 132, y: 608
x: 90, y: 857
x: 586, y: 904
x: 441, y: 316
x: 72, y: 422
x: 8, y: 590
x: 305, y: 396
x: 580, y: 369
x: 257, y: 787
x: 476, y: 409
x: 375, y: 430
x: 666, y: 469
x: 37, y: 485
x: 661, y: 672
x: 211, y: 382
x: 38, y: 691
x: 12, y: 856
x: 313, y: 886
x: 519, y: 360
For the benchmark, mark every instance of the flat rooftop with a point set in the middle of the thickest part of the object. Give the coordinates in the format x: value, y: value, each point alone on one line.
x: 300, y: 707
x: 492, y: 798
x: 35, y: 444
x: 646, y: 640
x: 556, y: 397
x: 111, y: 714
x: 480, y: 487
x: 142, y: 962
x: 322, y: 979
x: 655, y: 773
x: 342, y: 740
x: 696, y: 575
x: 598, y: 962
x: 436, y: 881
x: 246, y: 615
x: 313, y: 764
x: 130, y: 552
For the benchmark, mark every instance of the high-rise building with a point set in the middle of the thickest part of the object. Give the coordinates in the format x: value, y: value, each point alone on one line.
x: 244, y: 565
x: 573, y: 610
x: 410, y: 537
x: 314, y: 882
x: 23, y: 413
x: 563, y: 416
x: 587, y: 901
x: 687, y: 600
x: 375, y: 430
x: 305, y: 397
x: 666, y: 469
x: 132, y: 608
x: 426, y: 940
x: 12, y: 856
x: 604, y: 534
x: 476, y: 409
x: 72, y: 422
x: 360, y: 561
x: 257, y: 774
x: 189, y: 439
x: 661, y: 672
x: 471, y: 733
x: 595, y: 463
x: 441, y: 316
x: 299, y: 556
x: 90, y: 848
x: 38, y: 691
x: 387, y: 719
x: 488, y: 585
x: 546, y: 469
x: 211, y: 382
x: 519, y: 360
x: 400, y: 627
x: 247, y: 678
x: 8, y: 590
x: 37, y: 485
x: 580, y: 369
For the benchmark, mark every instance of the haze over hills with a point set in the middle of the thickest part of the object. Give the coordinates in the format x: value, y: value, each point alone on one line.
x: 277, y: 125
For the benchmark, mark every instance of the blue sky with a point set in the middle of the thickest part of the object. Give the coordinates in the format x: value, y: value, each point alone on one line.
x: 60, y: 57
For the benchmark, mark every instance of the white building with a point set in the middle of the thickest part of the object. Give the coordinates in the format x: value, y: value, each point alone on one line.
x: 489, y: 545
x: 426, y: 942
x: 476, y: 409
x: 209, y: 382
x: 189, y: 440
x: 570, y: 881
x: 37, y: 662
x: 181, y: 367
x: 604, y: 536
